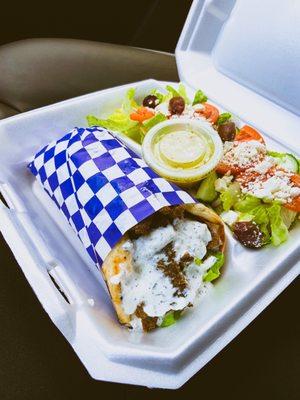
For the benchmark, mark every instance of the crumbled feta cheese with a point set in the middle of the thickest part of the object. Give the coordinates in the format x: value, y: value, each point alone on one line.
x: 275, y: 185
x: 243, y: 154
x: 221, y: 184
x: 127, y: 245
x: 189, y: 111
x: 163, y: 108
x: 264, y: 166
x: 136, y: 324
x: 229, y: 217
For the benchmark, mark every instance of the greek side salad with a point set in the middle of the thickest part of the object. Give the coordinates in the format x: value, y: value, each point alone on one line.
x: 256, y: 191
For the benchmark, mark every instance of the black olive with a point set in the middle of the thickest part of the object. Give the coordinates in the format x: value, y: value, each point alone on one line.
x: 227, y: 131
x: 150, y: 101
x: 176, y: 105
x: 249, y: 234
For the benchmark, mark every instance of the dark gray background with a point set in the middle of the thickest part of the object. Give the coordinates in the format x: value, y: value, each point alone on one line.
x: 153, y: 24
x: 35, y: 360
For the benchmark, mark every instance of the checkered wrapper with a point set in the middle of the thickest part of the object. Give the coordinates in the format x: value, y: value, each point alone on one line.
x: 101, y: 186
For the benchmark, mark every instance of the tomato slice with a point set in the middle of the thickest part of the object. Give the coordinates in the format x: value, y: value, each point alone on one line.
x: 210, y: 112
x: 141, y: 114
x: 294, y: 205
x: 246, y: 177
x: 223, y: 168
x: 247, y: 133
x: 296, y: 179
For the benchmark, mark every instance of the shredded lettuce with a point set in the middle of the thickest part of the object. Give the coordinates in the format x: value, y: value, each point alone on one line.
x: 214, y: 272
x: 268, y: 216
x: 120, y: 120
x: 230, y: 196
x: 117, y: 121
x: 172, y: 92
x: 200, y: 97
x: 159, y: 95
x: 182, y: 93
x: 245, y: 217
x: 279, y: 231
x: 149, y: 123
x: 170, y: 318
x: 247, y: 204
x: 197, y: 261
x: 129, y: 103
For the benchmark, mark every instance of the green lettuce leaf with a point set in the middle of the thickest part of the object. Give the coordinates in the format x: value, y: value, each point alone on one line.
x: 94, y: 121
x: 118, y: 121
x: 170, y: 318
x: 270, y: 218
x: 129, y: 104
x: 247, y: 204
x: 182, y: 93
x: 214, y: 272
x: 173, y: 92
x: 149, y: 123
x: 159, y: 95
x: 230, y: 196
x: 260, y: 214
x: 224, y: 117
x: 200, y: 97
x: 197, y: 261
x: 136, y: 133
x: 279, y: 231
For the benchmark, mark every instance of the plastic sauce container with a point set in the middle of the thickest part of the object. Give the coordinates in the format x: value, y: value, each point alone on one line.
x: 182, y: 150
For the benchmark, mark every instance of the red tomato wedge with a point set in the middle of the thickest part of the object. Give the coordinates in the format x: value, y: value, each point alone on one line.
x: 210, y: 112
x: 141, y: 114
x: 294, y: 205
x: 247, y: 133
x: 296, y: 179
x: 222, y: 168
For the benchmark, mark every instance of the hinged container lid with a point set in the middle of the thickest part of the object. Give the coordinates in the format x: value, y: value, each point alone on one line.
x: 245, y: 54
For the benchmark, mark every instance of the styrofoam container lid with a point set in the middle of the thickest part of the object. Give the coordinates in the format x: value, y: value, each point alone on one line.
x: 246, y: 55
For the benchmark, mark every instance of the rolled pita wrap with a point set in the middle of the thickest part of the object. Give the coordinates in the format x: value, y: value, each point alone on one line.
x: 157, y: 270
x: 156, y: 247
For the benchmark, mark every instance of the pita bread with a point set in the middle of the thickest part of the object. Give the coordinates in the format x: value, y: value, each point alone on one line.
x: 118, y: 256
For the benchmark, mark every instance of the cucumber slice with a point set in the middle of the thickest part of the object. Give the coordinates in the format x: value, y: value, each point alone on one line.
x: 207, y: 191
x: 286, y: 160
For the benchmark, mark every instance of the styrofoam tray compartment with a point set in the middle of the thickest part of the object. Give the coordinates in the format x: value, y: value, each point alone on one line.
x: 246, y: 55
x: 52, y: 257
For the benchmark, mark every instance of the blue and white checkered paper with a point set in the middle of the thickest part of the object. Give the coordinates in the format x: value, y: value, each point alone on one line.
x: 101, y: 186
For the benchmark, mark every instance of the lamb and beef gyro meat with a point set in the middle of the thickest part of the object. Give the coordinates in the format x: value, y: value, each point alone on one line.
x: 160, y: 263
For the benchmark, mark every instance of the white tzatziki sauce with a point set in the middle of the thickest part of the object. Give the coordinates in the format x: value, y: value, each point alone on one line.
x: 147, y: 284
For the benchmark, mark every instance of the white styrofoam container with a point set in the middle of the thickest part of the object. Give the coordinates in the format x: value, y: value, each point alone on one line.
x: 47, y: 250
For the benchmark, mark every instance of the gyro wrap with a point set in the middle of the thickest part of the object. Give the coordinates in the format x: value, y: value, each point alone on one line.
x: 101, y: 186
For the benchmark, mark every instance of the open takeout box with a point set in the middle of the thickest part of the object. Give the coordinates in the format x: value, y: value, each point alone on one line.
x: 236, y: 53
